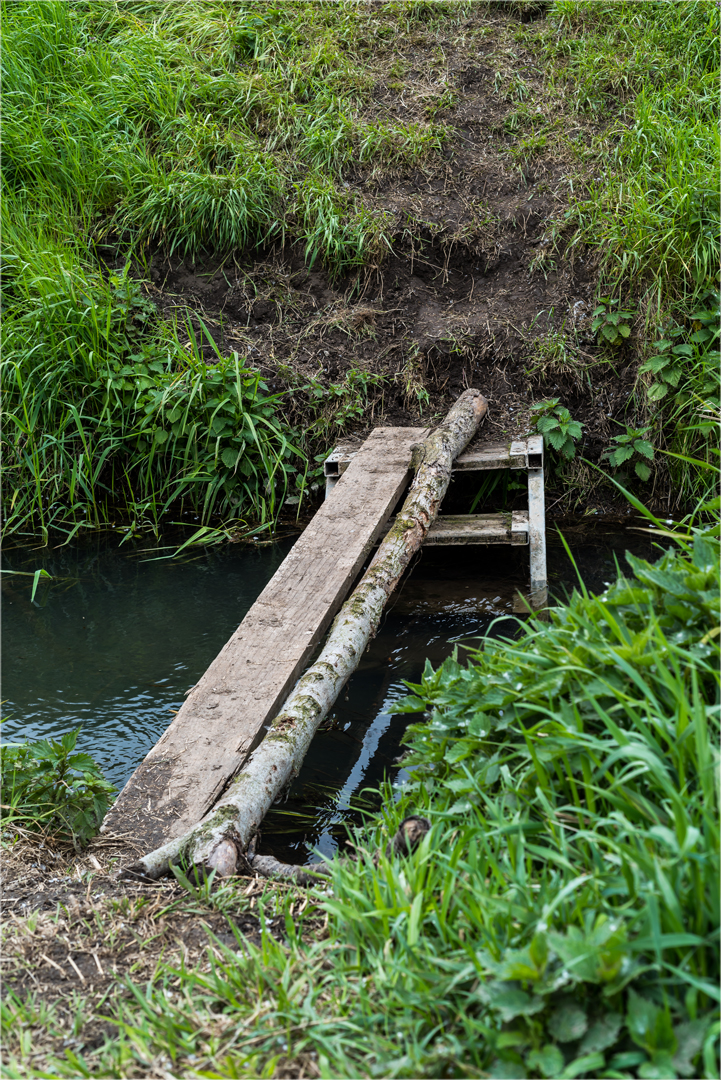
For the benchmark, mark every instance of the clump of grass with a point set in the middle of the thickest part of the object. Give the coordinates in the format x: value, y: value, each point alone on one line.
x: 110, y: 415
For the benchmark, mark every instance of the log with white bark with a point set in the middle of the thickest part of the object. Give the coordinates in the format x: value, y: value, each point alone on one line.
x: 225, y: 832
x: 408, y: 836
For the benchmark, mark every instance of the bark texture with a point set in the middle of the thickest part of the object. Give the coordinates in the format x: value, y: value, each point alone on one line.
x: 231, y: 824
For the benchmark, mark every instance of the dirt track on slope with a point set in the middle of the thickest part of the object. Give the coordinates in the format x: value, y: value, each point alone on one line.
x: 479, y: 288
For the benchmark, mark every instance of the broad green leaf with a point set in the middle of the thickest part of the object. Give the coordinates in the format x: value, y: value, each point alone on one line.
x: 660, y: 1068
x: 549, y: 1061
x: 508, y: 1001
x: 643, y: 447
x: 568, y: 1022
x: 690, y: 1043
x: 657, y: 391
x: 602, y: 1033
x: 654, y: 364
x: 229, y: 457
x: 649, y: 1025
x: 502, y: 1069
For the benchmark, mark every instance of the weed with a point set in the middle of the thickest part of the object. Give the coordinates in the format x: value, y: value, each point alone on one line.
x: 632, y: 448
x: 554, y: 422
x: 103, y: 422
x: 411, y: 379
x: 48, y: 785
x: 611, y: 324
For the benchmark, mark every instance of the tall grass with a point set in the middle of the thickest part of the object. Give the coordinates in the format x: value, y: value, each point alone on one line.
x: 203, y: 128
x: 654, y: 212
x: 195, y: 124
x: 110, y: 417
x: 650, y: 74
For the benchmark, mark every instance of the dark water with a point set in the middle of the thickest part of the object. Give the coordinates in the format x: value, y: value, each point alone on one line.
x: 116, y: 638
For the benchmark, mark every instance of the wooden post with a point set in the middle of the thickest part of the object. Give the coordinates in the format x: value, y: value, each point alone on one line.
x: 537, y: 523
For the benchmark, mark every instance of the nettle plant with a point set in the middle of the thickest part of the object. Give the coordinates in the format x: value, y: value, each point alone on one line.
x: 49, y: 785
x: 667, y: 364
x: 611, y: 324
x: 560, y: 431
x: 632, y: 448
x: 673, y: 360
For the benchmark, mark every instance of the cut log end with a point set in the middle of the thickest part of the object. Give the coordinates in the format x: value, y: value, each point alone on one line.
x: 409, y: 835
x: 224, y: 859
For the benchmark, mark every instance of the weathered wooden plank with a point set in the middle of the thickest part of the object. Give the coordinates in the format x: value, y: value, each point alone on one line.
x: 518, y: 454
x: 226, y: 712
x: 479, y: 529
x: 506, y: 455
x: 504, y: 528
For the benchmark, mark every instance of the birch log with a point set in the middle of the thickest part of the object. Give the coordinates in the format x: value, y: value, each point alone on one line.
x: 225, y: 832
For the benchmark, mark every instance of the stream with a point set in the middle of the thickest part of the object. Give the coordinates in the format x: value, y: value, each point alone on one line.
x: 116, y: 638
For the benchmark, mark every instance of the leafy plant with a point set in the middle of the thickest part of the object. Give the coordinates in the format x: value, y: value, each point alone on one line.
x: 667, y: 364
x: 632, y: 446
x: 612, y: 325
x: 99, y: 420
x: 575, y: 726
x: 50, y: 785
x: 671, y: 363
x: 555, y: 423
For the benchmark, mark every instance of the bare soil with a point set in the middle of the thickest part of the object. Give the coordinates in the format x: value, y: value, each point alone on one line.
x: 73, y: 934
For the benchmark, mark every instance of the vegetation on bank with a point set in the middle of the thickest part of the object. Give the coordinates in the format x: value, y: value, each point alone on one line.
x: 49, y: 786
x: 221, y: 128
x: 561, y: 918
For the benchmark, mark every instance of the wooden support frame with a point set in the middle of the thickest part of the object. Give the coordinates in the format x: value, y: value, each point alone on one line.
x: 522, y: 529
x: 537, y: 523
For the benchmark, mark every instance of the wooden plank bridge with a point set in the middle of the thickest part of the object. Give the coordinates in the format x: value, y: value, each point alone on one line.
x: 226, y: 713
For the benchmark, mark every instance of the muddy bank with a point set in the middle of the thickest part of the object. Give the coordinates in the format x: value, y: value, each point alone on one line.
x: 476, y: 286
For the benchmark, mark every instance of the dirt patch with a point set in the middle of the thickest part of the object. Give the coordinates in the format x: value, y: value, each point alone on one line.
x: 73, y: 935
x: 478, y: 288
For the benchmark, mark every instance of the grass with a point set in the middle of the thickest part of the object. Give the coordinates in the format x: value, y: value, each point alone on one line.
x: 561, y: 918
x: 648, y: 75
x: 199, y: 127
